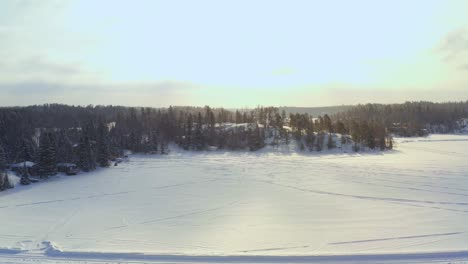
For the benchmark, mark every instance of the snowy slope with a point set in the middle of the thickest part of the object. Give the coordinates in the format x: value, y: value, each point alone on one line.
x: 406, y: 204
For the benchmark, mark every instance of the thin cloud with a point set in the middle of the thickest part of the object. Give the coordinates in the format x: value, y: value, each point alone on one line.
x: 283, y: 71
x: 157, y: 93
x: 454, y: 45
x: 33, y: 69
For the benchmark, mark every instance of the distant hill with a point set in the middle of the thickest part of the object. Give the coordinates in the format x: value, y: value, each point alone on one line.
x: 315, y: 111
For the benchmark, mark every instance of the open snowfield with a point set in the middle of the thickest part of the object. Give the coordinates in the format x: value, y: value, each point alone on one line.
x: 406, y: 205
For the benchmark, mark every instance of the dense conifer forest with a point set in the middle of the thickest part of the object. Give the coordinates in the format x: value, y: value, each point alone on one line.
x: 93, y: 136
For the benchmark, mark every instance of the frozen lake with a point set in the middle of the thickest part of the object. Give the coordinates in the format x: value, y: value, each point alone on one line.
x: 410, y: 200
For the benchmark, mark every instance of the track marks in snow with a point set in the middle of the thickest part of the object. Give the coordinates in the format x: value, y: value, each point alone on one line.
x: 373, y: 198
x: 176, y: 216
x: 272, y: 249
x: 103, y: 194
x: 436, y: 151
x: 396, y: 238
x: 401, y: 187
x: 70, y: 199
x: 188, y: 214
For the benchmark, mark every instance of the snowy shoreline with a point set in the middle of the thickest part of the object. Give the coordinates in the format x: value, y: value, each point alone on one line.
x: 408, y: 204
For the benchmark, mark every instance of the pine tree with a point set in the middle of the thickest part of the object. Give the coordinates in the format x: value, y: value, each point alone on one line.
x: 25, y: 177
x: 199, y: 139
x: 153, y: 142
x: 356, y: 132
x: 25, y: 152
x: 327, y: 124
x: 286, y: 137
x: 4, y: 180
x: 340, y: 127
x: 343, y: 141
x: 310, y: 138
x: 134, y: 141
x: 3, y: 161
x: 103, y: 153
x: 382, y: 143
x: 64, y: 148
x: 319, y: 141
x: 302, y: 146
x: 211, y: 123
x: 188, y: 133
x: 47, y: 159
x: 86, y: 159
x: 255, y: 139
x: 330, y: 142
x: 389, y: 142
x: 238, y: 117
x: 163, y: 148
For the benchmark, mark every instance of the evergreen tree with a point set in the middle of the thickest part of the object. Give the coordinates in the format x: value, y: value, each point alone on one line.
x: 211, y: 123
x: 3, y: 161
x: 239, y: 118
x: 343, y: 141
x: 340, y: 128
x: 368, y: 134
x: 64, y: 147
x: 103, y: 153
x: 327, y: 124
x: 301, y: 146
x: 86, y: 159
x: 382, y: 143
x: 25, y: 177
x: 199, y: 139
x: 286, y: 137
x: 319, y: 141
x: 4, y: 180
x: 355, y: 132
x: 255, y: 139
x: 330, y: 143
x: 26, y: 151
x: 163, y: 148
x: 389, y: 142
x: 188, y: 133
x: 134, y: 141
x: 310, y: 139
x: 153, y: 142
x: 47, y: 159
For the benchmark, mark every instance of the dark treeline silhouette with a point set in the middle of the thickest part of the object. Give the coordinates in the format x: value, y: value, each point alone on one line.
x: 94, y: 136
x: 410, y: 118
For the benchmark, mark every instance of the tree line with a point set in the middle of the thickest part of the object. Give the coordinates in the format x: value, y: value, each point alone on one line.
x: 410, y: 118
x: 92, y: 136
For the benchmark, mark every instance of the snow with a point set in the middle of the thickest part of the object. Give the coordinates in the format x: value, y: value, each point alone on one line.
x: 66, y: 164
x: 23, y: 164
x: 14, y: 179
x: 268, y: 206
x: 231, y: 126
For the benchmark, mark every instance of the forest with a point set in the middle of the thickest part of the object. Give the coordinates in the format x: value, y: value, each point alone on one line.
x: 92, y: 136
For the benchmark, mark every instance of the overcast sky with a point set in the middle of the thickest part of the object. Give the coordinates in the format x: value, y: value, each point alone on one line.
x: 232, y: 53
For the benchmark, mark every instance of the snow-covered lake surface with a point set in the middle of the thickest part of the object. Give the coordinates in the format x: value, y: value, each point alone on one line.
x: 410, y: 203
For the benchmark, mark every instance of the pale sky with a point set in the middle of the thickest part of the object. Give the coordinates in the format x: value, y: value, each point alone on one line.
x: 232, y: 53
